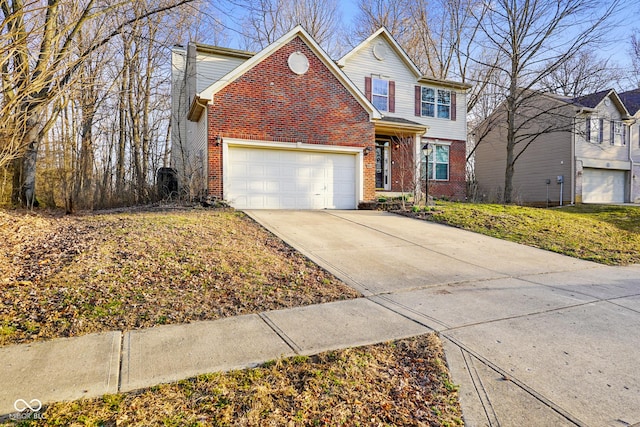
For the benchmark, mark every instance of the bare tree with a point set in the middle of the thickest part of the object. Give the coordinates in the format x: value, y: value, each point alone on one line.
x: 580, y: 75
x: 267, y: 20
x: 635, y: 60
x: 527, y: 34
x: 440, y: 36
x: 40, y: 58
x: 374, y: 14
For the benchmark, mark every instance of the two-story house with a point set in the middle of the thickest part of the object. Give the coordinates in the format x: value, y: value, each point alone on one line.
x: 572, y: 150
x: 415, y: 110
x: 289, y: 128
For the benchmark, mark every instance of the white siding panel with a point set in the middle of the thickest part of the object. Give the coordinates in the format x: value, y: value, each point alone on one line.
x: 212, y: 68
x: 364, y: 64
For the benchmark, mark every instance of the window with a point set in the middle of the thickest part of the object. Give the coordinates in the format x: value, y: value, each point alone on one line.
x: 435, y: 103
x: 620, y: 132
x: 594, y: 131
x: 438, y: 163
x: 380, y: 94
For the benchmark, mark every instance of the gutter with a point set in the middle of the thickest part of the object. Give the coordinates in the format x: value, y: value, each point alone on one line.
x: 196, y: 109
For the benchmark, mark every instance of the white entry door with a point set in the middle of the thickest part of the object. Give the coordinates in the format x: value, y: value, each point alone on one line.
x: 262, y: 178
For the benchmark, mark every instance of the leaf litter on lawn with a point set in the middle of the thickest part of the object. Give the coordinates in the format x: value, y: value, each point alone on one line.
x: 400, y: 383
x: 72, y: 275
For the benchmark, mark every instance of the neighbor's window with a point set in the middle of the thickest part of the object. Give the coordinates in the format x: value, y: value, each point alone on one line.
x: 436, y: 103
x: 438, y: 163
x: 380, y: 94
x: 594, y: 130
x: 619, y: 131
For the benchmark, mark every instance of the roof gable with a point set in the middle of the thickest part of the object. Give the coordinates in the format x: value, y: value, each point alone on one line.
x: 595, y: 99
x: 208, y: 94
x: 384, y: 34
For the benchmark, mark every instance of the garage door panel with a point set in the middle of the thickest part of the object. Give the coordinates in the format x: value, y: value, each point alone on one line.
x: 259, y: 178
x: 603, y: 185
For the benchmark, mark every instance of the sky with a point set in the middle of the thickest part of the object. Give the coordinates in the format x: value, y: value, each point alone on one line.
x: 617, y: 51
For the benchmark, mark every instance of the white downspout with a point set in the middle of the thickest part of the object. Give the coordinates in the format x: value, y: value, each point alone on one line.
x: 631, y: 198
x: 573, y: 162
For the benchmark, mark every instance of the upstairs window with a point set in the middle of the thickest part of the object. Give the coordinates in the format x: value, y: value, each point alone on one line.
x: 431, y: 102
x: 618, y: 133
x: 380, y: 94
x: 594, y: 130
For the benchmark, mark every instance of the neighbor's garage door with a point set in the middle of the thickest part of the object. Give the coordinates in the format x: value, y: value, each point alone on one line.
x: 259, y: 178
x: 603, y: 186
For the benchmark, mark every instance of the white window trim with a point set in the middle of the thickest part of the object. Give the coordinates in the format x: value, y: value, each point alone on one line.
x: 433, y: 145
x: 435, y: 102
x: 374, y: 94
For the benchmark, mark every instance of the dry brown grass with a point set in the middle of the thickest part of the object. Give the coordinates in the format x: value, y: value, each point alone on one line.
x: 401, y: 383
x: 72, y: 275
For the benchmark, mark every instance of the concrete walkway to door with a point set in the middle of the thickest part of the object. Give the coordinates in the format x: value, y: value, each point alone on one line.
x: 533, y: 338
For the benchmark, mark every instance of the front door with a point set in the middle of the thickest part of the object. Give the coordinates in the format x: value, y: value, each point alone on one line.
x: 382, y: 165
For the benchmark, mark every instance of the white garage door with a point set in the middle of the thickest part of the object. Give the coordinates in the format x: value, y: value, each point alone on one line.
x: 603, y: 186
x: 259, y: 178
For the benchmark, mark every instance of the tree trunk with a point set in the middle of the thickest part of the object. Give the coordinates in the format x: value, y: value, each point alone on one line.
x: 24, y: 182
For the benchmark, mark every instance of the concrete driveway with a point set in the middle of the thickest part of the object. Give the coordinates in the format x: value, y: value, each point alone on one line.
x: 532, y: 337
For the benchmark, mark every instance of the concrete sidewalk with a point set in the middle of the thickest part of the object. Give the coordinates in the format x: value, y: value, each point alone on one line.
x: 533, y: 338
x: 92, y: 365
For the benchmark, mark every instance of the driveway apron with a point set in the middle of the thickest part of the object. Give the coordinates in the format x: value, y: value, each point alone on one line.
x: 532, y: 337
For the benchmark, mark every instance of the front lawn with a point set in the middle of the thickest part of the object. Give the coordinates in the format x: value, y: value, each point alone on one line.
x: 402, y: 383
x: 65, y: 276
x: 601, y: 233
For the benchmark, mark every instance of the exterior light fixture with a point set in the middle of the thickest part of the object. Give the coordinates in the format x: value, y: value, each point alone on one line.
x: 426, y: 151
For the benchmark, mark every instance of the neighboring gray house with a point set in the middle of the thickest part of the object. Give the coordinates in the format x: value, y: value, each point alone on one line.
x: 631, y: 100
x: 579, y: 147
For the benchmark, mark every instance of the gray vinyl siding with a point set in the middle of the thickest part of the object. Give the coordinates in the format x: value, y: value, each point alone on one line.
x: 192, y: 72
x: 201, y: 135
x: 364, y: 64
x: 545, y: 159
x: 178, y: 106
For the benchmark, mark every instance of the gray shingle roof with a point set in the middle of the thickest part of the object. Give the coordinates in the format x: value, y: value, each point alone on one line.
x: 631, y: 100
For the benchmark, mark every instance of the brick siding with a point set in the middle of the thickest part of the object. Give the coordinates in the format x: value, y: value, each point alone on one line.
x: 403, y: 169
x: 271, y: 103
x: 456, y: 187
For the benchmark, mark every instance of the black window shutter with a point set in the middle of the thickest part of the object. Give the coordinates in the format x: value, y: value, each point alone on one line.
x: 418, y: 101
x: 612, y: 126
x: 588, y: 129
